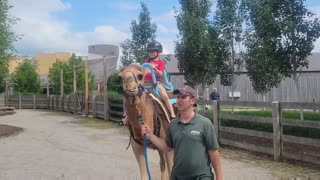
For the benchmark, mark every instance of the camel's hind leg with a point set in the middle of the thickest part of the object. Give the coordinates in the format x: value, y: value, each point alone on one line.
x: 139, y: 154
x: 163, y: 167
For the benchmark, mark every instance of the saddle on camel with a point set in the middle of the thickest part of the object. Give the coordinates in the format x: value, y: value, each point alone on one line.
x: 142, y: 104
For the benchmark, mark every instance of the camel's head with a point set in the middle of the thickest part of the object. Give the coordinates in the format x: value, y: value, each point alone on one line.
x: 131, y: 77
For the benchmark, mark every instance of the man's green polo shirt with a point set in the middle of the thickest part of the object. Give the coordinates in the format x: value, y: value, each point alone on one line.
x: 191, y: 142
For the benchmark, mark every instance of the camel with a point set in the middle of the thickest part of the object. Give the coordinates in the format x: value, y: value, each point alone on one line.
x: 153, y: 111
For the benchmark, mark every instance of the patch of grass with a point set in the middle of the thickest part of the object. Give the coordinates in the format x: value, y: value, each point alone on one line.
x: 56, y: 113
x: 290, y: 114
x: 97, y: 123
x: 238, y: 107
x: 115, y: 95
x: 288, y: 130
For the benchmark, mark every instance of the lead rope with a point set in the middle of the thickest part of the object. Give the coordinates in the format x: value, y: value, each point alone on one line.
x: 145, y: 147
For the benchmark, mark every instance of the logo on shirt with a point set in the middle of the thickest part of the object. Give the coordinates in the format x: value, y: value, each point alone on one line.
x: 195, y: 132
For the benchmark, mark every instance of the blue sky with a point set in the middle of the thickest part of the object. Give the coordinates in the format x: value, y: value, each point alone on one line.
x: 72, y: 25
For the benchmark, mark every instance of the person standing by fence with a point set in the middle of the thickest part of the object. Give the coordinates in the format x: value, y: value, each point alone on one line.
x: 215, y: 96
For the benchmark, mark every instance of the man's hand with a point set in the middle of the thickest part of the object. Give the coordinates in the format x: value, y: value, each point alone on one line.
x: 145, y: 130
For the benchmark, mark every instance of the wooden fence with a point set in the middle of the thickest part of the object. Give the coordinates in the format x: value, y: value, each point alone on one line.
x: 71, y: 104
x: 276, y: 138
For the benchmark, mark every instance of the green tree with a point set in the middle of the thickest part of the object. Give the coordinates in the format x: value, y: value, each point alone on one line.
x: 262, y: 55
x: 194, y: 51
x: 228, y: 24
x: 68, y: 67
x: 7, y: 37
x: 283, y: 36
x: 114, y: 83
x: 143, y: 31
x: 26, y: 79
x: 55, y: 78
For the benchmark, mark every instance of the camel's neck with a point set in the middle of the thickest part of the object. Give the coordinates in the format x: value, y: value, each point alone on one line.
x: 142, y: 103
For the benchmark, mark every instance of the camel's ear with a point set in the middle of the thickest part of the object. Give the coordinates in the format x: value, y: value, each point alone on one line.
x: 120, y: 78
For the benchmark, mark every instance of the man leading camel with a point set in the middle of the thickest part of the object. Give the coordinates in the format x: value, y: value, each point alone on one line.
x: 193, y: 140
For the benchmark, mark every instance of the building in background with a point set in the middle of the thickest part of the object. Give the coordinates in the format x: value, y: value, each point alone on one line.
x: 99, y: 53
x: 46, y: 60
x: 309, y: 83
x: 15, y: 61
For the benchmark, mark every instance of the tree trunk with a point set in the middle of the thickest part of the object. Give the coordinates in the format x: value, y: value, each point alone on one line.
x: 299, y: 95
x: 197, y: 97
x: 232, y: 81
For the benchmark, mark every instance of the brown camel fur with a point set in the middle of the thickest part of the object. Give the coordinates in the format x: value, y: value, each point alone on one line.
x: 139, y: 102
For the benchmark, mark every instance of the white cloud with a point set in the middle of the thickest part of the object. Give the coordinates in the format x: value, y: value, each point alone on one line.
x: 125, y: 6
x: 167, y: 44
x: 166, y: 22
x: 316, y: 11
x: 42, y: 31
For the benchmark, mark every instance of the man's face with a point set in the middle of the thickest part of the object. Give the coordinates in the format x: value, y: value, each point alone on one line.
x: 153, y: 53
x: 184, y: 102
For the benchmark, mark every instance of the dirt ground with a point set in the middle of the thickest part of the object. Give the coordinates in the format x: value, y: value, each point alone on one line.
x: 60, y: 146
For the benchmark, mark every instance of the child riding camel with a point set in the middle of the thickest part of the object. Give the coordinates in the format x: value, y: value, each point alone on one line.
x: 154, y: 50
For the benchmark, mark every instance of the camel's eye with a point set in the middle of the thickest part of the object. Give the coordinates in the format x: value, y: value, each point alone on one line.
x: 140, y: 77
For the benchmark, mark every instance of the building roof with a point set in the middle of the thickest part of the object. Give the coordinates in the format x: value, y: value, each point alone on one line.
x: 314, y: 62
x: 172, y: 65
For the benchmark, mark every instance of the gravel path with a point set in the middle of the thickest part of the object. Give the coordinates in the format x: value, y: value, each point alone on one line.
x: 51, y: 146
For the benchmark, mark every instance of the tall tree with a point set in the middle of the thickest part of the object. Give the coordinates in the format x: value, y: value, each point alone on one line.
x: 228, y: 22
x: 7, y: 37
x: 285, y: 32
x: 263, y: 39
x: 26, y: 79
x: 55, y: 71
x: 143, y: 31
x: 194, y: 51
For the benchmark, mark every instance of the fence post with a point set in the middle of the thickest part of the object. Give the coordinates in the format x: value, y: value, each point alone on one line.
x: 62, y: 102
x: 19, y: 101
x: 277, y: 130
x: 34, y: 102
x: 67, y: 104
x: 56, y: 103
x: 216, y: 119
x: 48, y: 102
x: 314, y: 105
x: 94, y: 109
x: 75, y: 102
x: 106, y: 106
x: 52, y: 102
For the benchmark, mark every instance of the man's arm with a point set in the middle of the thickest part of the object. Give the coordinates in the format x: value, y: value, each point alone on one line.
x: 215, y: 161
x: 160, y: 143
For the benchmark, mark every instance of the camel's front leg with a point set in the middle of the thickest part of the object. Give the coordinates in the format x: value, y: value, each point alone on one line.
x: 139, y: 154
x: 169, y: 160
